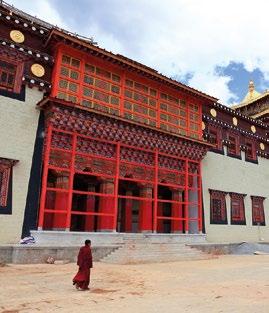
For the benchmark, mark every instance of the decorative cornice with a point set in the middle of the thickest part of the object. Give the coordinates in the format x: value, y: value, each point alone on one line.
x: 31, y: 26
x: 238, y: 114
x: 95, y: 124
x: 37, y: 55
x: 222, y: 124
x: 33, y: 81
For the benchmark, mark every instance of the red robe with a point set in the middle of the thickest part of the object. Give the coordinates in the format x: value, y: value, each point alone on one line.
x: 82, y: 278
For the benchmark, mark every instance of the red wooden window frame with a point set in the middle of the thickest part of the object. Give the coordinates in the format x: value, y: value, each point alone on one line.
x: 233, y: 148
x: 258, y: 217
x: 218, y: 210
x: 143, y: 105
x: 214, y: 136
x: 4, y: 183
x: 16, y: 74
x: 250, y: 152
x: 237, y: 209
x: 5, y: 176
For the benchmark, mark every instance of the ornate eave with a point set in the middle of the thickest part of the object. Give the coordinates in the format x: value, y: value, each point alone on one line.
x: 33, y: 53
x: 233, y: 113
x: 241, y: 105
x: 261, y: 114
x: 222, y: 124
x: 22, y: 20
x: 93, y: 123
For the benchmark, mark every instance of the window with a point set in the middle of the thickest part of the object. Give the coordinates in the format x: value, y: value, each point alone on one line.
x: 237, y: 209
x: 218, y: 212
x: 214, y: 137
x: 7, y: 75
x: 257, y: 210
x: 6, y: 185
x: 250, y: 153
x: 4, y: 180
x: 100, y: 87
x: 10, y: 75
x: 233, y: 148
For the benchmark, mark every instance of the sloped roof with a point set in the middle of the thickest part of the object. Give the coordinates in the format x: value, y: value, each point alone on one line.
x: 251, y: 96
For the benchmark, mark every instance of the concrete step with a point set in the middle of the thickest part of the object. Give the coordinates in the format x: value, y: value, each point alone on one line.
x: 149, y: 252
x: 153, y: 259
x: 144, y: 253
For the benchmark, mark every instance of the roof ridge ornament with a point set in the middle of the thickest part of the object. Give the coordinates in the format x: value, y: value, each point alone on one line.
x: 252, y: 93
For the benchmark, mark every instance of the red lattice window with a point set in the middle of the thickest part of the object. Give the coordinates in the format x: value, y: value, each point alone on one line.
x: 95, y: 84
x: 237, y: 209
x: 233, y: 148
x: 250, y: 153
x: 4, y: 183
x: 7, y: 75
x: 5, y: 176
x: 218, y: 212
x: 214, y: 137
x: 258, y: 210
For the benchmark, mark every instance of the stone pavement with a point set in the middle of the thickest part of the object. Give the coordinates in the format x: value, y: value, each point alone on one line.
x: 228, y: 284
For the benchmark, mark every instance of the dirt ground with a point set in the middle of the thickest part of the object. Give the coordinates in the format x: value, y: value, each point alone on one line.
x: 229, y: 284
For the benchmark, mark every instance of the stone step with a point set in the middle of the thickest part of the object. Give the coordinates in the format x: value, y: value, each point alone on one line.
x: 153, y: 259
x: 152, y: 254
x: 133, y: 253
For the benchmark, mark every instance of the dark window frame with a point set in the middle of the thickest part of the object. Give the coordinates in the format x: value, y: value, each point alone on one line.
x: 18, y: 72
x: 234, y: 140
x: 214, y: 137
x: 252, y: 156
x: 6, y: 169
x: 258, y: 219
x: 238, y: 214
x: 218, y: 196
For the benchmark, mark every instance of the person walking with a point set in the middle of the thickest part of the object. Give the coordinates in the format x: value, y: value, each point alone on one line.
x: 84, y: 261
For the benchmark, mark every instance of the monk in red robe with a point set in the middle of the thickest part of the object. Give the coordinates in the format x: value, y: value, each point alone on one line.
x: 82, y: 279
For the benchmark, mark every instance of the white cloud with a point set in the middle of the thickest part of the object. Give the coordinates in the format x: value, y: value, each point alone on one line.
x: 217, y: 84
x: 42, y: 9
x: 176, y: 36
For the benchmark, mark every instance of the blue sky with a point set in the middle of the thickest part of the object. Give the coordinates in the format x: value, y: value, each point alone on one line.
x: 214, y: 46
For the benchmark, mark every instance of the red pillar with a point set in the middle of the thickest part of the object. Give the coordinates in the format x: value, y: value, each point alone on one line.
x: 90, y: 206
x: 128, y: 212
x: 177, y: 226
x: 145, y: 209
x: 49, y: 204
x: 106, y: 205
x: 160, y: 213
x: 61, y: 202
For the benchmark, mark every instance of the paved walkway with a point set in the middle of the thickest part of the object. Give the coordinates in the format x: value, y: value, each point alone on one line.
x: 229, y: 284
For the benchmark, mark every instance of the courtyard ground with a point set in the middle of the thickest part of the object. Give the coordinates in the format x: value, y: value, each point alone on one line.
x: 229, y: 284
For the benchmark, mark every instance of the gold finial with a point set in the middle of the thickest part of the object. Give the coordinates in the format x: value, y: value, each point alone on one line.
x: 251, y: 86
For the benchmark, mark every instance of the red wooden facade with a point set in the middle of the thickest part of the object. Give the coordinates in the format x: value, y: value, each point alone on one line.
x: 93, y: 83
x: 115, y: 159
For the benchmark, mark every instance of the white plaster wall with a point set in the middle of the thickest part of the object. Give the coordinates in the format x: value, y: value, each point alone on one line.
x: 224, y: 173
x: 18, y: 125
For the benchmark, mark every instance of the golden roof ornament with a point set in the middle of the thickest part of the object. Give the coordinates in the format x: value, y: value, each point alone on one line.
x: 252, y: 93
x: 17, y: 36
x: 38, y: 70
x: 262, y: 146
x: 235, y: 121
x: 213, y: 112
x: 253, y: 129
